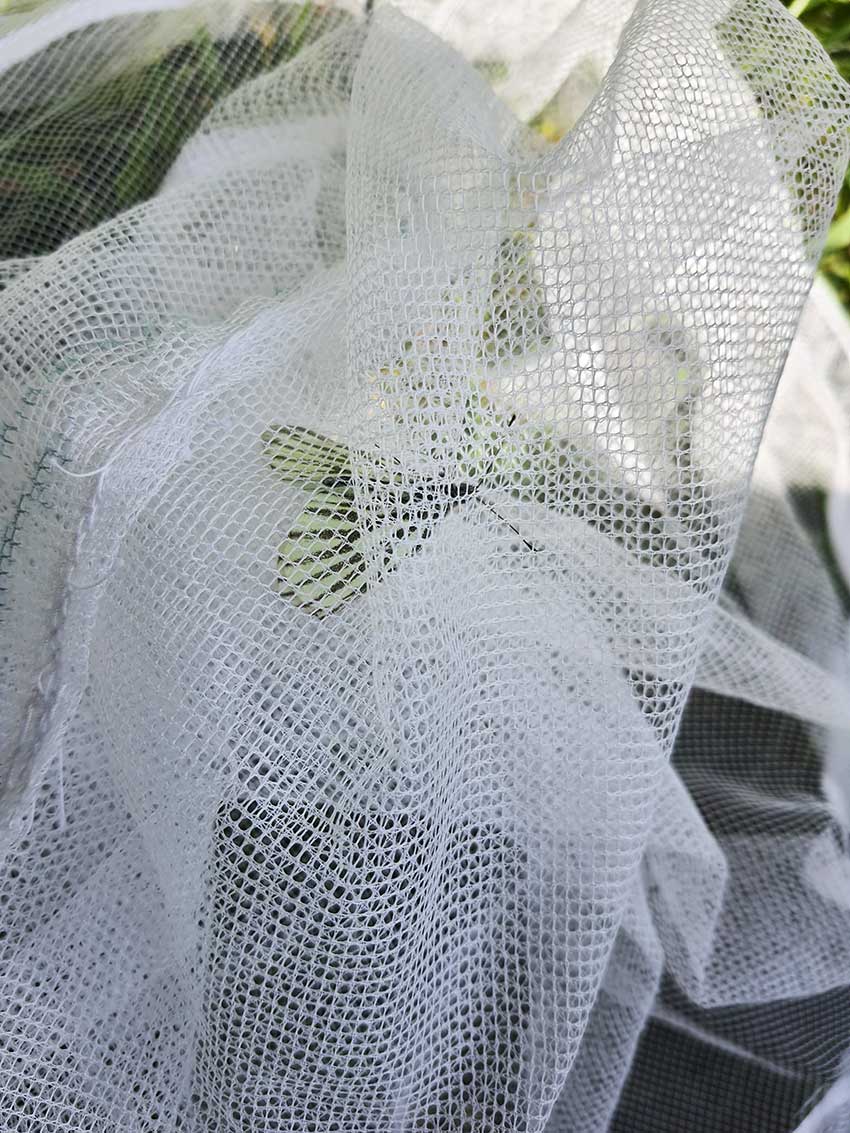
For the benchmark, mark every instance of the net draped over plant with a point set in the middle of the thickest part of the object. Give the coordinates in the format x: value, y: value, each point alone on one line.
x: 370, y: 471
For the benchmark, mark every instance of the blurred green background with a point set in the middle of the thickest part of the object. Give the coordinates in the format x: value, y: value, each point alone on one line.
x: 830, y: 22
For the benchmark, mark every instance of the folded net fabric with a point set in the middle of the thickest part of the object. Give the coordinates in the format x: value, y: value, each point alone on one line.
x: 370, y: 471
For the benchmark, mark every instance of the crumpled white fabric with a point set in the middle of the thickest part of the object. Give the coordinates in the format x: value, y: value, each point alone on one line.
x: 419, y: 864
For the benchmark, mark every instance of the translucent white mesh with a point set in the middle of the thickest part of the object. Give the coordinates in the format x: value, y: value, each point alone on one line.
x: 370, y: 471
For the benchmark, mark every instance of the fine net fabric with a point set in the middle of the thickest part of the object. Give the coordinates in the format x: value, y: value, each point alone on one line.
x: 378, y: 750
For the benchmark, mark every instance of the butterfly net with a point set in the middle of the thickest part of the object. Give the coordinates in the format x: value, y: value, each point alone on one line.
x: 421, y: 710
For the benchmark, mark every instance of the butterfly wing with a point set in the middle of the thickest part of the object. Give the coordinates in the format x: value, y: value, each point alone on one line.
x: 320, y: 564
x: 302, y: 456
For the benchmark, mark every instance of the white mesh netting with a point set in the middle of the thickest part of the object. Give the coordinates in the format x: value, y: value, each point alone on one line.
x: 370, y: 471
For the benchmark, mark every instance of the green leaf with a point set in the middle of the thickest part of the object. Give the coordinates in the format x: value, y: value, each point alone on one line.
x: 838, y: 236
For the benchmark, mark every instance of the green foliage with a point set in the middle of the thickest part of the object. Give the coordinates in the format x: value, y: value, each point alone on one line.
x: 829, y: 20
x: 67, y: 164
